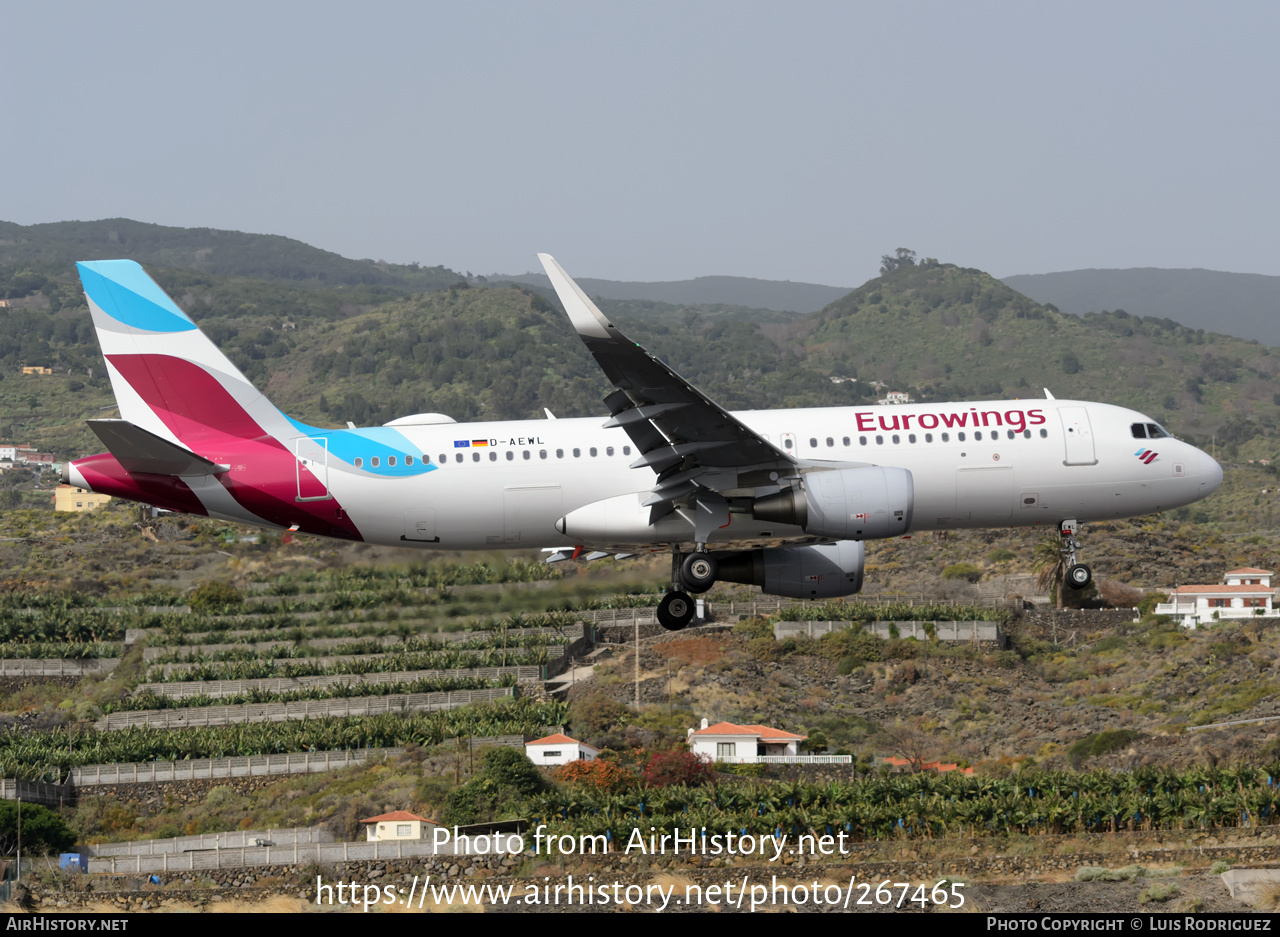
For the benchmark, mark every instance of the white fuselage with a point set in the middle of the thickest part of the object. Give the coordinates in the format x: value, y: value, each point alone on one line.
x: 988, y: 464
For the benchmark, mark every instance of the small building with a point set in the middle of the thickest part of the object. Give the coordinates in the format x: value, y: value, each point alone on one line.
x: 70, y: 498
x: 399, y: 826
x: 726, y: 741
x: 558, y: 749
x: 37, y: 370
x: 1243, y: 593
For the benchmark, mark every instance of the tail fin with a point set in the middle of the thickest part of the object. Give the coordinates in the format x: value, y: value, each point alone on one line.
x: 168, y: 377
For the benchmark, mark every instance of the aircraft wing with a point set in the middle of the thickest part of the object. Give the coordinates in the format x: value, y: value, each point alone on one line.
x: 682, y: 434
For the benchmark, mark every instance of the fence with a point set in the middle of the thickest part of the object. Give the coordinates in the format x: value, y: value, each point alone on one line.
x: 239, y: 839
x: 50, y: 795
x: 305, y: 709
x: 197, y: 769
x: 219, y: 688
x: 57, y: 667
x: 293, y: 855
x: 243, y: 766
x: 951, y: 631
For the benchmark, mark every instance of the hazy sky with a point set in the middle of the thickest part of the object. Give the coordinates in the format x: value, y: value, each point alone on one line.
x: 652, y: 141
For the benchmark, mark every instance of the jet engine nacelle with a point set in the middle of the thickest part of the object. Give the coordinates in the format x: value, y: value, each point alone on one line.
x: 867, y: 503
x: 822, y: 571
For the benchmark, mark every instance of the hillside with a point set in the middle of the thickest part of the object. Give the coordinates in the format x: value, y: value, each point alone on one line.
x: 50, y: 249
x: 1240, y: 304
x: 780, y: 295
x: 947, y: 332
x: 370, y: 353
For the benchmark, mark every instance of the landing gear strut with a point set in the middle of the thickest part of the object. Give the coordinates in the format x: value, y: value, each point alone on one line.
x: 1078, y: 575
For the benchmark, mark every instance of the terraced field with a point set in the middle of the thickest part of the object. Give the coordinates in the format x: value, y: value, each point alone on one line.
x: 313, y: 661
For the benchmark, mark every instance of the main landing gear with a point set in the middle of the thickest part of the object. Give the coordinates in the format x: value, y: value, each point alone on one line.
x: 1078, y: 575
x: 694, y: 572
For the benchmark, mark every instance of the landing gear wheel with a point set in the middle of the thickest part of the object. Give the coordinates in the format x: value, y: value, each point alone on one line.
x: 675, y: 611
x: 698, y: 572
x: 1079, y: 576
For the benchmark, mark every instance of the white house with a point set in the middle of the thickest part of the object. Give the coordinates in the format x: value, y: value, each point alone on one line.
x: 1244, y: 593
x: 726, y: 741
x: 398, y: 826
x: 558, y: 749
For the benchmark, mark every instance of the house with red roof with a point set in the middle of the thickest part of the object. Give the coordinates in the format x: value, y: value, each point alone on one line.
x: 727, y: 741
x: 398, y: 826
x: 558, y: 749
x: 1243, y: 593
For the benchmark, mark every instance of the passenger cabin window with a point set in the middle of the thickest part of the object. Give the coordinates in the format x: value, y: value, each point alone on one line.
x: 510, y: 455
x: 879, y: 440
x: 408, y: 460
x: 813, y: 443
x: 542, y: 453
x: 458, y: 457
x: 960, y: 436
x: 1044, y: 433
x: 846, y: 441
x: 911, y: 437
x: 577, y: 453
x: 444, y: 457
x: 374, y: 461
x: 862, y: 440
x: 526, y: 455
x: 608, y: 450
x: 830, y: 442
x: 626, y: 450
x: 592, y: 452
x: 946, y: 437
x: 391, y: 460
x: 559, y: 453
x: 358, y: 462
x: 928, y: 437
x: 493, y: 456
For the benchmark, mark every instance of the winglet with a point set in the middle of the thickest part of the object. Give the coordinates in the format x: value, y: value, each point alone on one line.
x: 586, y: 318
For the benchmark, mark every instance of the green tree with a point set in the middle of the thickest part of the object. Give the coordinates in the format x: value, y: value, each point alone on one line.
x: 43, y: 830
x: 1050, y: 567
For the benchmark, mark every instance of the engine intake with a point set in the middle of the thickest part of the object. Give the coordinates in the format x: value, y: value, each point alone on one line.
x: 867, y: 503
x: 822, y: 571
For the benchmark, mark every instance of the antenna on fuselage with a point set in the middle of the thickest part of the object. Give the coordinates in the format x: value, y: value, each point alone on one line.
x: 550, y: 415
x: 1048, y: 395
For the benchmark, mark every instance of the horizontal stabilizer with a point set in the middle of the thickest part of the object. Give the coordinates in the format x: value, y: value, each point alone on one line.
x: 140, y: 451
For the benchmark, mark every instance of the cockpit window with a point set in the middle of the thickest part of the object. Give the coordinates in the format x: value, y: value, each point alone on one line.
x: 1139, y: 430
x: 1156, y: 432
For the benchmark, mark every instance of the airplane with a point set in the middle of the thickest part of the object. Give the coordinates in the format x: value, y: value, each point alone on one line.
x: 780, y: 499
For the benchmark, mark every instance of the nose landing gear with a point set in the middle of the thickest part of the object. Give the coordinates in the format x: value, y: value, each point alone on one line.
x: 1078, y: 576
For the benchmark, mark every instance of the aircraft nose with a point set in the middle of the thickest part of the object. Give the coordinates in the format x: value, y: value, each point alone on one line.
x: 1210, y: 474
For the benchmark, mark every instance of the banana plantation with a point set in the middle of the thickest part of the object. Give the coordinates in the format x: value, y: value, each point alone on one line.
x: 47, y: 755
x: 928, y: 805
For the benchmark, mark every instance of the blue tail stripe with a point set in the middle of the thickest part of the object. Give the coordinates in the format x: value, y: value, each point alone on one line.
x: 122, y: 289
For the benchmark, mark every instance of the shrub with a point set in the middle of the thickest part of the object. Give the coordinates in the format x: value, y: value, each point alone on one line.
x: 665, y: 768
x: 962, y: 571
x: 607, y: 776
x: 214, y: 598
x: 1099, y: 744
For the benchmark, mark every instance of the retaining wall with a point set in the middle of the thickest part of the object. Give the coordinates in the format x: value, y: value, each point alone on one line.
x: 304, y: 709
x: 220, y: 688
x: 982, y: 632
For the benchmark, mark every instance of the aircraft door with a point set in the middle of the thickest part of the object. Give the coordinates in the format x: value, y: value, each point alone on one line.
x: 311, y: 466
x: 1078, y: 436
x: 789, y: 444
